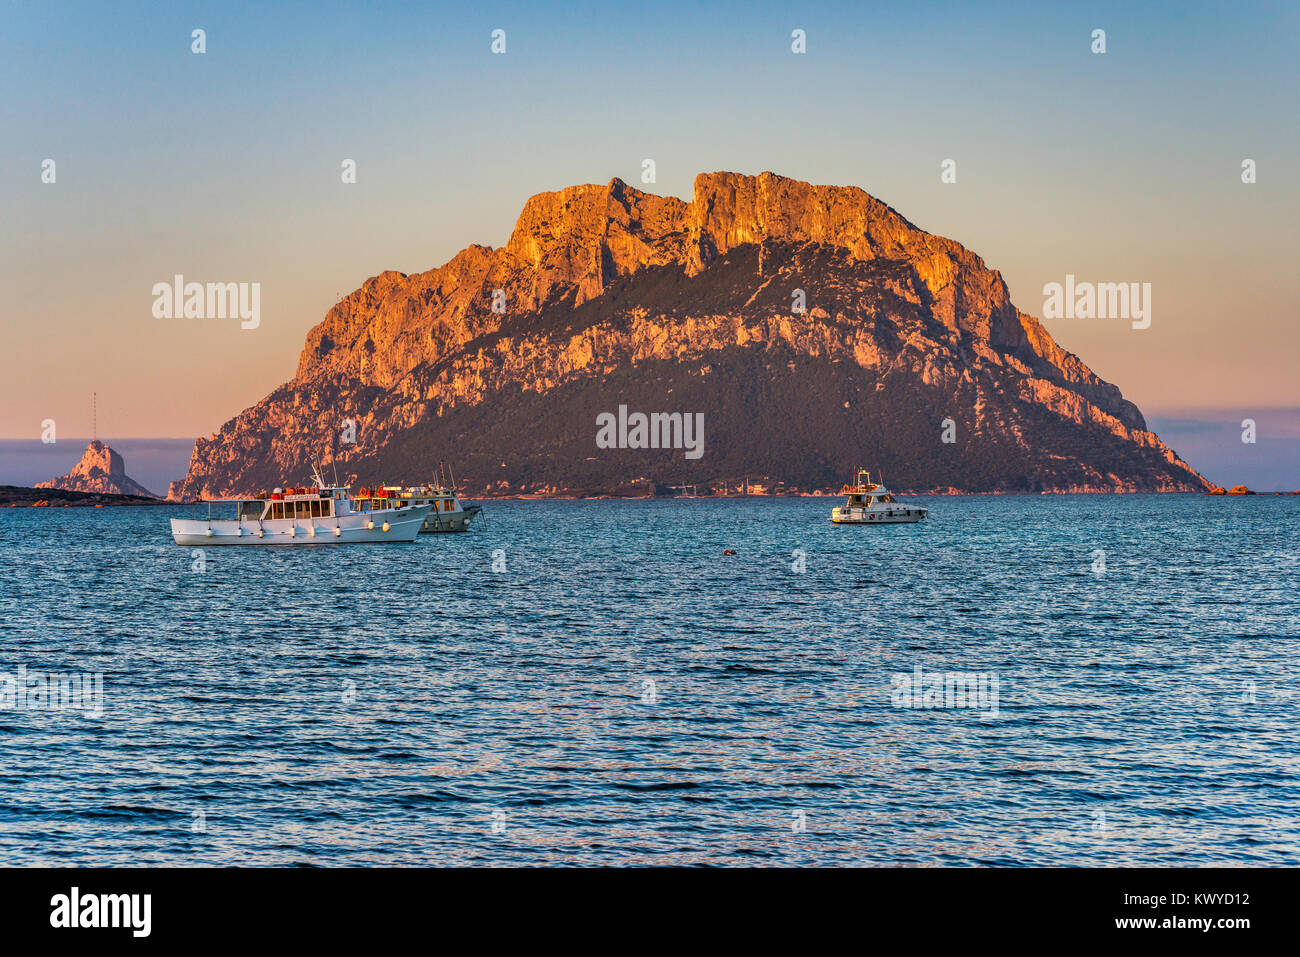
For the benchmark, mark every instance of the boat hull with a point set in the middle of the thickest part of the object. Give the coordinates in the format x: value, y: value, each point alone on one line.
x: 449, y: 521
x: 896, y: 515
x: 359, y: 528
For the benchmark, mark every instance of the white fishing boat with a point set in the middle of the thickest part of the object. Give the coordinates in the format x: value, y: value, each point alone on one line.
x: 321, y: 515
x: 446, y: 511
x: 870, y: 503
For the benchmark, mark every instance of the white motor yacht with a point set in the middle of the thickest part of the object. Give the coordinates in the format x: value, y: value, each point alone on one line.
x: 446, y: 511
x: 870, y: 503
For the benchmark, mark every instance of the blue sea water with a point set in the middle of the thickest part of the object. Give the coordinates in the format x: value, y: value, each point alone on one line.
x: 597, y: 683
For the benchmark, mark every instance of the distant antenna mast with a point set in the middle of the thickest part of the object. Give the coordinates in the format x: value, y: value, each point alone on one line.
x: 94, y: 416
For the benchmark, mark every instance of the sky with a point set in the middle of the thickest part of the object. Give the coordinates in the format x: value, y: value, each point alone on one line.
x: 224, y: 166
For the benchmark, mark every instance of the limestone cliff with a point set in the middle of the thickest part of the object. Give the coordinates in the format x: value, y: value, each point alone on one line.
x: 606, y: 295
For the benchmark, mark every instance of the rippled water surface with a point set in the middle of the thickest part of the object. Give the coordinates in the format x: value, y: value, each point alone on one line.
x: 625, y: 693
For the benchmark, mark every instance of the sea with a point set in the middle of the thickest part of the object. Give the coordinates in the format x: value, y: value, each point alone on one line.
x: 1018, y: 680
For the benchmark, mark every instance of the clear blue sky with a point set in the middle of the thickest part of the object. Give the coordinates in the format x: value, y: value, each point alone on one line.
x: 225, y: 166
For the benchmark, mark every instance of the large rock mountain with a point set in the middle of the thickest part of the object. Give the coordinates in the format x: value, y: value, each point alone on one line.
x: 101, y: 470
x: 502, y: 359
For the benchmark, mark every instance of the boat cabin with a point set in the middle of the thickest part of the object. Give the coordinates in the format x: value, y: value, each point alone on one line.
x: 398, y: 496
x: 295, y: 503
x: 864, y: 493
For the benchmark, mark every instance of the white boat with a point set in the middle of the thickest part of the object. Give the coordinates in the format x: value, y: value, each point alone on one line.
x: 446, y: 511
x: 323, y: 515
x: 870, y: 503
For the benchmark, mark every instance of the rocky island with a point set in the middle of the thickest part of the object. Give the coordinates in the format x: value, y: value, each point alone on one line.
x: 814, y: 327
x: 101, y: 471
